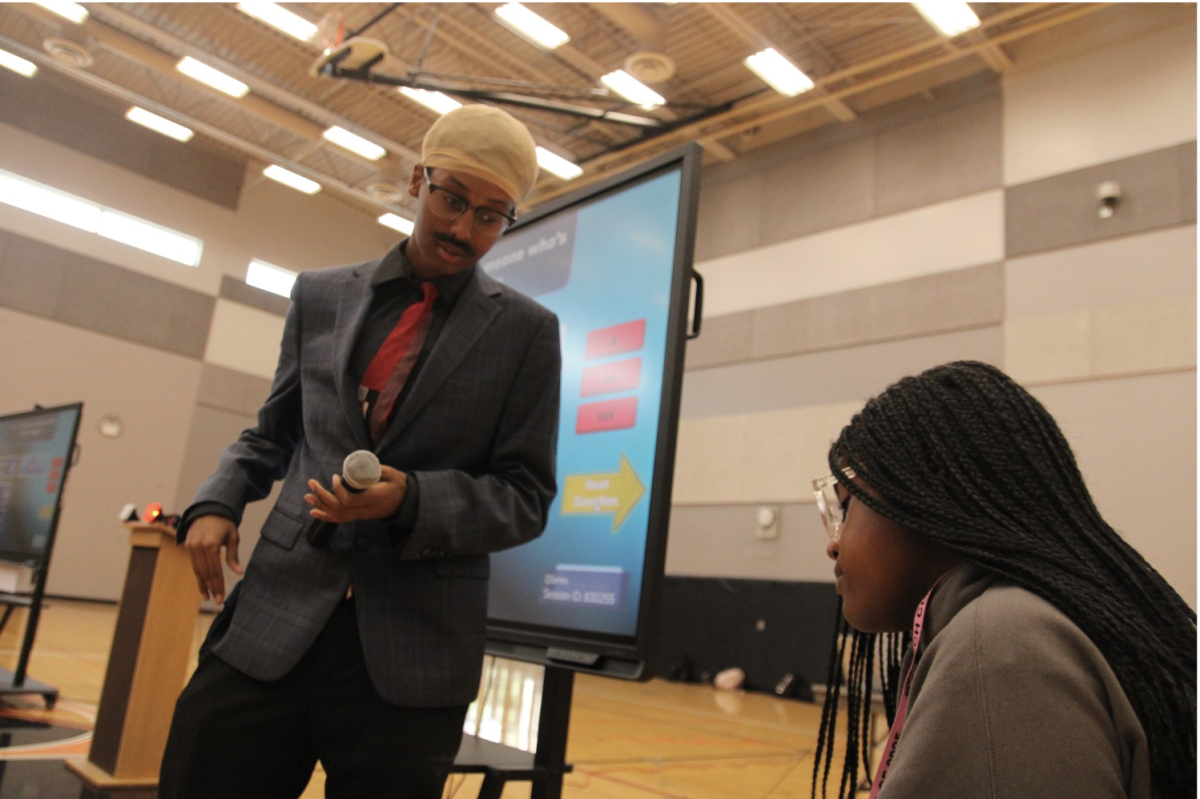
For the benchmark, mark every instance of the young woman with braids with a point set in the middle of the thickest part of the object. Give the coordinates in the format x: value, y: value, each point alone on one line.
x: 1052, y: 660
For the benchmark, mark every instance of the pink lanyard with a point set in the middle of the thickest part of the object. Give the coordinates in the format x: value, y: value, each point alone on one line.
x: 893, y: 740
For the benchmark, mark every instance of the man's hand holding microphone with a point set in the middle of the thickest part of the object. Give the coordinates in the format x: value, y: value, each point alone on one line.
x: 366, y: 489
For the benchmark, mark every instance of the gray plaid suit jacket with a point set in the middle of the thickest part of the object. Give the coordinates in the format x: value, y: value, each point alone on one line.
x: 478, y: 428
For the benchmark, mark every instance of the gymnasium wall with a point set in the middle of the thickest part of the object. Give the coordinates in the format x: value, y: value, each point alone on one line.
x: 957, y: 225
x: 965, y: 227
x: 182, y: 355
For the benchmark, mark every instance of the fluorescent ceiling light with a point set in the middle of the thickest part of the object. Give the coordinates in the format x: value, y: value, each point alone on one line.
x: 17, y: 64
x: 781, y: 74
x: 211, y: 77
x: 297, y: 182
x: 557, y: 164
x: 95, y: 218
x: 531, y: 26
x: 270, y: 277
x: 399, y: 223
x: 436, y: 101
x: 280, y: 18
x: 149, y: 237
x: 948, y: 16
x: 160, y: 124
x: 633, y: 90
x: 355, y: 144
x: 50, y: 203
x: 72, y: 11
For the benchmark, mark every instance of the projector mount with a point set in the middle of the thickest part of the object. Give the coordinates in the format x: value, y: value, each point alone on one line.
x: 356, y: 58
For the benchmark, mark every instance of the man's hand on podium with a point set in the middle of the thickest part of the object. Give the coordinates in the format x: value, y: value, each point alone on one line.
x: 205, y: 538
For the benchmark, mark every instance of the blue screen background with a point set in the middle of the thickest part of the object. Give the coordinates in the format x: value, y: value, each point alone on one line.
x: 620, y: 271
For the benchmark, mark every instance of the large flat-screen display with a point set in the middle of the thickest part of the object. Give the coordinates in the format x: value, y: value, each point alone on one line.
x: 614, y: 262
x: 35, y: 453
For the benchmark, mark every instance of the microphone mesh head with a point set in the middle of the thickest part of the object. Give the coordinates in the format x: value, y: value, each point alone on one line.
x: 361, y: 469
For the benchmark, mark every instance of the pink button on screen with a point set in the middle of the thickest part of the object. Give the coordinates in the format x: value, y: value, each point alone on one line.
x: 614, y: 340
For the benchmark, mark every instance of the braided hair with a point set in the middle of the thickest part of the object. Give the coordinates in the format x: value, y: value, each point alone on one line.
x: 968, y: 458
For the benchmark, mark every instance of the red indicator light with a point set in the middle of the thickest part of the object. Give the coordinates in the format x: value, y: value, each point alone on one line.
x: 153, y: 511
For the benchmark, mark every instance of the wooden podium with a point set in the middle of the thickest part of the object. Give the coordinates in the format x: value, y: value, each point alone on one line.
x: 148, y: 663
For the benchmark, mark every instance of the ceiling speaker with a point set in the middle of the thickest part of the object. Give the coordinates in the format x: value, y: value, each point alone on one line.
x: 650, y: 67
x: 67, y: 52
x: 386, y: 192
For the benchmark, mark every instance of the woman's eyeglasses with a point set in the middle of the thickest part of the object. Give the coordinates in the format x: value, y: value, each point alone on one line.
x: 832, y: 509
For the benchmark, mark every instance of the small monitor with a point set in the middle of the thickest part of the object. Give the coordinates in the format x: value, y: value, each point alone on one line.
x: 614, y: 262
x: 35, y: 454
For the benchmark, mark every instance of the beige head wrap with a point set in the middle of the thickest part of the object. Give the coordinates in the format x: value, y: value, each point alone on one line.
x: 485, y: 142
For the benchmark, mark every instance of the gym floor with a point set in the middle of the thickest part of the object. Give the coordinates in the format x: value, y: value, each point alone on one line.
x: 627, y: 740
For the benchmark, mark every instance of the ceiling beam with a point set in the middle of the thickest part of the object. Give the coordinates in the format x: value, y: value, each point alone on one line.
x: 635, y: 19
x: 736, y: 24
x: 280, y: 100
x: 354, y: 196
x: 717, y: 150
x: 993, y: 55
x: 594, y: 70
x: 762, y: 111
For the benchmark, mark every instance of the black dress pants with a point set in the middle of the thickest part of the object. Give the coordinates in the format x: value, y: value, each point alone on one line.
x: 233, y: 736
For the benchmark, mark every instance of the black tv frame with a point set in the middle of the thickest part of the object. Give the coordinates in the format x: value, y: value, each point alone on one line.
x: 17, y: 681
x: 628, y: 657
x: 41, y: 560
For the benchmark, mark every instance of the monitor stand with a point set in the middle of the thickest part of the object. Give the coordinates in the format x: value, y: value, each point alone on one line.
x: 545, y: 767
x: 16, y: 682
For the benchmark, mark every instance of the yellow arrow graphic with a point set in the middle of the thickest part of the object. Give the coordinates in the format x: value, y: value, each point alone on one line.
x: 604, y: 493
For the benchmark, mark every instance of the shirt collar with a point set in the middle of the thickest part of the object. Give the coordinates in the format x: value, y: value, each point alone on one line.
x: 396, y: 266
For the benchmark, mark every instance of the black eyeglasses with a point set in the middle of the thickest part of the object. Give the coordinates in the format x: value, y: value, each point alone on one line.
x: 447, y: 205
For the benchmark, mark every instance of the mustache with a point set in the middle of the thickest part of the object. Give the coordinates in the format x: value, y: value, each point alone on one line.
x: 453, y: 242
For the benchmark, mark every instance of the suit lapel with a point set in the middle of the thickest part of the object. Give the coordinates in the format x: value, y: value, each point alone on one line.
x: 473, y: 312
x: 353, y: 303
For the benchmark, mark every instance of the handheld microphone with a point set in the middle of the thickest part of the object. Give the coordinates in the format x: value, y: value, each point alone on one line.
x: 360, y: 471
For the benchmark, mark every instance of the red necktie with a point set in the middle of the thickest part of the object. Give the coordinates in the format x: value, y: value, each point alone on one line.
x: 393, y: 363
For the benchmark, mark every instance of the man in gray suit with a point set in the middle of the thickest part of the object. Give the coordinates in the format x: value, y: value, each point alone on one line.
x: 365, y: 652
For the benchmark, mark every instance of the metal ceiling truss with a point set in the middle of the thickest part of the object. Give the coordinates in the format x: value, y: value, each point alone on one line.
x: 714, y: 103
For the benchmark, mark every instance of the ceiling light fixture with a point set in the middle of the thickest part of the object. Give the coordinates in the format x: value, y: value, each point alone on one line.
x: 633, y: 90
x: 395, y: 222
x: 72, y: 11
x: 280, y: 19
x: 160, y: 124
x: 47, y: 202
x: 521, y: 20
x: 557, y: 165
x: 92, y: 217
x: 270, y: 277
x: 782, y: 75
x: 211, y: 77
x: 291, y: 179
x: 948, y: 16
x: 435, y: 101
x: 354, y: 143
x: 149, y: 237
x: 17, y: 64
